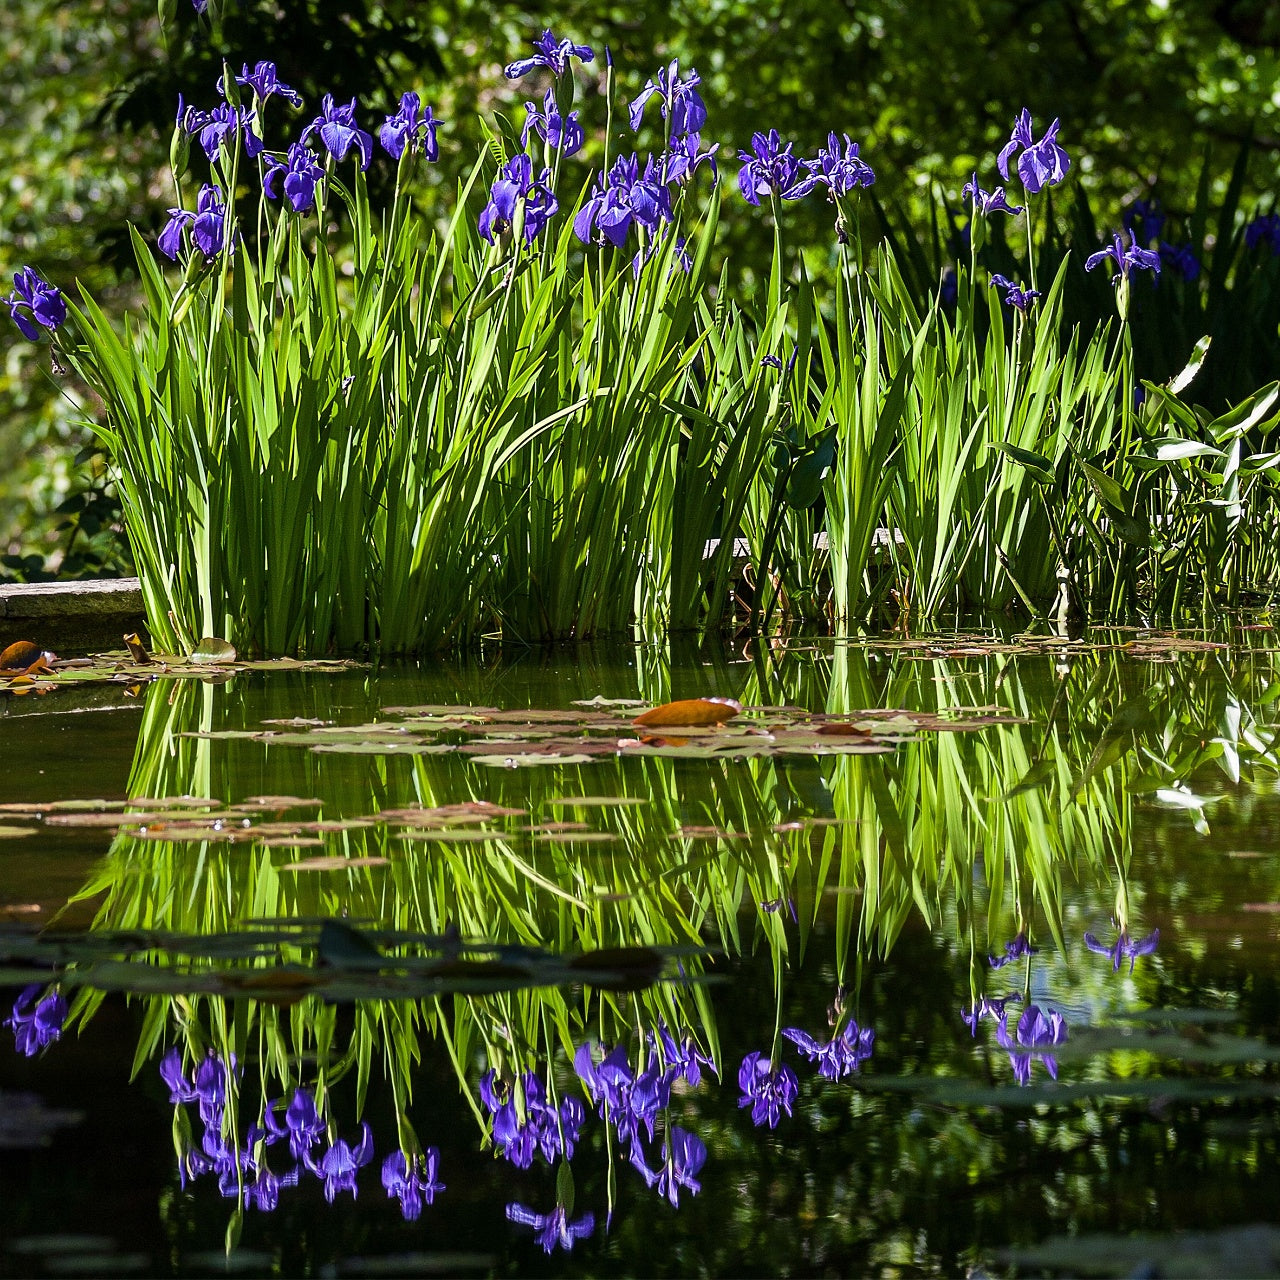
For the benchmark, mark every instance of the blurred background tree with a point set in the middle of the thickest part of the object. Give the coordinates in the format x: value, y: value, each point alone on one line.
x: 930, y: 88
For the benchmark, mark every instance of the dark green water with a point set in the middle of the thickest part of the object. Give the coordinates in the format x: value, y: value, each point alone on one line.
x: 1137, y: 791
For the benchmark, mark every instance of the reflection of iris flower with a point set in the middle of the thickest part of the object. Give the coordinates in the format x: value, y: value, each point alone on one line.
x: 839, y: 1057
x: 1014, y: 949
x: 303, y: 1125
x: 987, y: 1007
x: 523, y: 1125
x: 340, y: 1164
x: 36, y: 1025
x: 1125, y: 948
x: 414, y: 1182
x: 623, y: 1096
x: 683, y: 1155
x: 1037, y: 1031
x: 553, y: 1228
x: 767, y: 1090
x: 683, y: 1058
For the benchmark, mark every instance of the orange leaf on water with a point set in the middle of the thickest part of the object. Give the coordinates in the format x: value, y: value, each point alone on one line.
x: 690, y: 711
x: 19, y: 656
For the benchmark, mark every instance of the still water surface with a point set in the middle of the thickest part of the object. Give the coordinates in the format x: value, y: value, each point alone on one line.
x: 1119, y: 1118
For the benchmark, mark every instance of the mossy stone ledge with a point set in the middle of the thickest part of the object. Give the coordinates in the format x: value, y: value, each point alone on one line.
x: 69, y: 617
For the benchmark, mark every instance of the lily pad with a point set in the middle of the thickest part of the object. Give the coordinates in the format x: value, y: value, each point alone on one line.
x: 690, y: 711
x: 213, y: 650
x: 16, y: 833
x: 531, y: 759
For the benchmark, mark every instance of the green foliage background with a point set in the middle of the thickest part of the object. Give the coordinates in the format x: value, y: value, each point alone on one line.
x: 88, y: 91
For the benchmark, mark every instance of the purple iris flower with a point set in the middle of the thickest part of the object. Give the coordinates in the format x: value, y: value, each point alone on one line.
x: 265, y: 83
x: 552, y: 1228
x: 1264, y: 230
x: 987, y: 202
x: 767, y: 1090
x: 340, y: 1164
x: 200, y: 5
x: 679, y: 162
x: 841, y: 1055
x: 36, y: 1025
x: 621, y: 197
x: 562, y: 133
x: 515, y: 183
x: 1144, y: 220
x: 683, y: 1058
x: 412, y: 1181
x: 218, y: 127
x: 1014, y: 294
x: 1014, y: 949
x: 1042, y: 163
x: 769, y: 168
x: 987, y: 1007
x: 1126, y: 260
x: 840, y: 170
x: 681, y: 104
x: 410, y: 127
x: 339, y: 132
x: 206, y: 225
x: 42, y: 299
x: 302, y: 171
x: 303, y: 1125
x: 683, y: 1155
x: 1037, y: 1031
x: 1124, y: 948
x: 553, y: 54
x: 1182, y: 258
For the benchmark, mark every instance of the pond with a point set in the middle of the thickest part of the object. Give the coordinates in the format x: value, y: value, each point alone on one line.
x: 942, y: 954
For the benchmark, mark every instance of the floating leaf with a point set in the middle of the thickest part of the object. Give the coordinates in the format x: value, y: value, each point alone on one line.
x: 16, y: 833
x: 530, y: 758
x: 19, y: 656
x: 276, y: 803
x: 689, y: 711
x: 211, y: 650
x: 450, y: 835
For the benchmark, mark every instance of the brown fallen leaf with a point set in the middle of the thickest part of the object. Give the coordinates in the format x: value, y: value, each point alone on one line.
x: 19, y: 656
x: 137, y: 650
x: 689, y: 711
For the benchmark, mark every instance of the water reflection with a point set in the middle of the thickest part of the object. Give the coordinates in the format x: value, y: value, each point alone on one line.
x: 1000, y: 854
